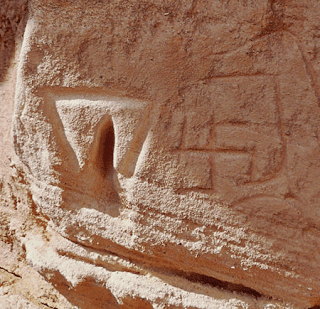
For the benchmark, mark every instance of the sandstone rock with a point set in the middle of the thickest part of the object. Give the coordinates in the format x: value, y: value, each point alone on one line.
x: 12, y: 20
x: 84, y: 278
x: 168, y: 153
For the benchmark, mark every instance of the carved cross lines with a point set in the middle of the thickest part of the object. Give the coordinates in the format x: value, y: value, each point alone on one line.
x: 229, y: 132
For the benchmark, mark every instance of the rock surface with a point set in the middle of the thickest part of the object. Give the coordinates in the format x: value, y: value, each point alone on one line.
x: 166, y: 155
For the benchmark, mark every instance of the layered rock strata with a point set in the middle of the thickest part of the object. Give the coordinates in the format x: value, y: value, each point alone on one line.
x: 171, y: 152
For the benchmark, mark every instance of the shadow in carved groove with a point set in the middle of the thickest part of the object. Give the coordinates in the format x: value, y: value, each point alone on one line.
x: 104, y: 158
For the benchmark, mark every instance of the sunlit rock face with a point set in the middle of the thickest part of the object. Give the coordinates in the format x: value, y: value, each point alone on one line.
x: 178, y: 138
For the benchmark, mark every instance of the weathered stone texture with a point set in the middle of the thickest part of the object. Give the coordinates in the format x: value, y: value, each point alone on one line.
x: 12, y: 21
x: 171, y: 151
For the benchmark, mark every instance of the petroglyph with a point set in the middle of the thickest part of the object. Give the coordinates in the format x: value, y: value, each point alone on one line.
x: 179, y: 138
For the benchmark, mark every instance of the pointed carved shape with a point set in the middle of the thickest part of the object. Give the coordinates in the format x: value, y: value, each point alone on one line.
x: 85, y: 124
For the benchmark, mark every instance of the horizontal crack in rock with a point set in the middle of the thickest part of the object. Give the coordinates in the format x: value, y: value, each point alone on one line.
x: 216, y: 283
x: 190, y: 276
x: 18, y: 276
x: 48, y: 305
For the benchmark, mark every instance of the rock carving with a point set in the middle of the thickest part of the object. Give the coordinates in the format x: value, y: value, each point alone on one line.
x: 173, y: 138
